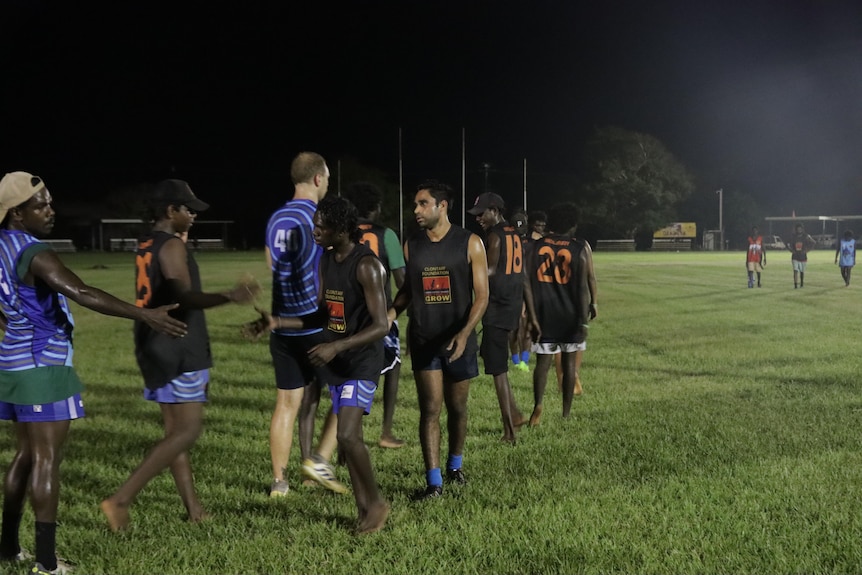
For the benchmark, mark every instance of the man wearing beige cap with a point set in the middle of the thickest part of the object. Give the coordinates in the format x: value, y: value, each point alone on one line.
x: 39, y: 389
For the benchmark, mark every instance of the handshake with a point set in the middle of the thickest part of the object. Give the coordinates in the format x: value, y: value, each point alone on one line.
x: 253, y: 330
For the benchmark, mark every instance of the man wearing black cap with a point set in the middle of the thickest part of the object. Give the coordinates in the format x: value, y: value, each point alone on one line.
x: 39, y: 389
x: 507, y: 295
x: 176, y: 372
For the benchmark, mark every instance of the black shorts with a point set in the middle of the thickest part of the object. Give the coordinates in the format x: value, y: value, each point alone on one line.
x: 495, y: 349
x: 290, y: 359
x: 428, y: 358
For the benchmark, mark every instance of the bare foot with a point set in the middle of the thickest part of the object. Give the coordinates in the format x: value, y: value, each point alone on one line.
x: 198, y: 516
x: 578, y: 389
x: 519, y: 422
x: 536, y: 417
x: 375, y: 518
x: 118, y: 516
x: 508, y: 439
x: 390, y: 442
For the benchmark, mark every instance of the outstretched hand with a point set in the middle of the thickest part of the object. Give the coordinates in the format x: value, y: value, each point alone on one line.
x: 245, y: 290
x: 159, y: 320
x: 253, y: 330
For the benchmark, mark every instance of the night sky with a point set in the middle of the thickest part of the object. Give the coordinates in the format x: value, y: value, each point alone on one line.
x: 764, y: 98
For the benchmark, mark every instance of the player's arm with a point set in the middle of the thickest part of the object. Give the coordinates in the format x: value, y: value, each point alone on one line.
x: 173, y: 259
x: 47, y: 267
x: 395, y: 256
x: 530, y: 307
x: 318, y: 318
x: 479, y: 269
x: 591, y: 281
x: 584, y: 295
x: 403, y: 297
x: 837, y: 251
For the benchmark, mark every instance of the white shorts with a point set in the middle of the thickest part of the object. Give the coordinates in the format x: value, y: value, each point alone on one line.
x: 552, y: 348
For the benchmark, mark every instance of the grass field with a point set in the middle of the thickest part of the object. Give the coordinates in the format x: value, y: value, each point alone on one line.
x: 719, y: 432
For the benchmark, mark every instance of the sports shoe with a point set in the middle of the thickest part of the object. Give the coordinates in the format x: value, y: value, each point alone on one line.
x: 279, y: 488
x: 430, y: 492
x: 455, y: 476
x: 63, y: 568
x: 22, y: 555
x: 522, y: 365
x: 323, y: 473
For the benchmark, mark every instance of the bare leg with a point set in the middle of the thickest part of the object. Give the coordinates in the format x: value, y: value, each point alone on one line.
x: 187, y: 423
x: 287, y: 404
x: 328, y: 436
x: 540, y: 380
x: 390, y: 395
x: 371, y: 507
x: 569, y: 375
x: 307, y: 417
x: 15, y: 493
x: 579, y: 357
x: 429, y: 389
x: 46, y: 440
x: 509, y: 412
x: 455, y: 394
x: 558, y: 363
x: 181, y: 470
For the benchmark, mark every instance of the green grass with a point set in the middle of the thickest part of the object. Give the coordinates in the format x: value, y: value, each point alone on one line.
x: 718, y: 433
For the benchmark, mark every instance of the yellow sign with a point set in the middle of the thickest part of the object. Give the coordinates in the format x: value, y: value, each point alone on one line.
x: 678, y: 230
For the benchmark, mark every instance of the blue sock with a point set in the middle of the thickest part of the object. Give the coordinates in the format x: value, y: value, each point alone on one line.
x: 454, y: 462
x: 525, y: 356
x: 434, y: 477
x: 516, y: 359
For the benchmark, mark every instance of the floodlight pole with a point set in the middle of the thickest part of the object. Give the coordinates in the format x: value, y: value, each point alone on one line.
x: 720, y: 193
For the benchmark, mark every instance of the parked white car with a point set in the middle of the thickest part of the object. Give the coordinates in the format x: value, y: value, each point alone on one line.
x: 774, y: 243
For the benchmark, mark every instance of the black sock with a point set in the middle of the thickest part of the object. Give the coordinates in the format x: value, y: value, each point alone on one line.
x: 9, y: 545
x: 46, y: 541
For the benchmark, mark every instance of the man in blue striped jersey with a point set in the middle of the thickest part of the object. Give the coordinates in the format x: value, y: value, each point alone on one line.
x: 39, y: 389
x: 293, y: 258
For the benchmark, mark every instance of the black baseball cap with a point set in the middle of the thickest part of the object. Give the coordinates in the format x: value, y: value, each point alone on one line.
x: 178, y: 192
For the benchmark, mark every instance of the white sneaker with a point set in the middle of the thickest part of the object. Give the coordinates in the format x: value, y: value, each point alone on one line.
x: 63, y: 568
x: 323, y: 473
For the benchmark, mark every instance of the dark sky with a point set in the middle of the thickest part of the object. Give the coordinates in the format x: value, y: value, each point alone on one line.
x: 759, y: 97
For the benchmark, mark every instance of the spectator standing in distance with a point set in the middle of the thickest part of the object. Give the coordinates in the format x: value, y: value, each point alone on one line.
x: 39, y: 389
x: 846, y: 251
x: 368, y: 199
x: 176, y: 372
x: 293, y: 257
x: 352, y: 306
x: 507, y: 297
x: 755, y: 257
x: 799, y: 245
x: 559, y: 267
x: 538, y: 223
x: 446, y: 289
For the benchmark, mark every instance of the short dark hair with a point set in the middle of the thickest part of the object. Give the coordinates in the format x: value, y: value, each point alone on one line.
x: 305, y: 166
x: 439, y: 191
x: 538, y: 216
x: 338, y: 214
x: 563, y: 217
x: 366, y: 196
